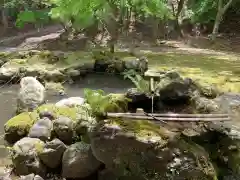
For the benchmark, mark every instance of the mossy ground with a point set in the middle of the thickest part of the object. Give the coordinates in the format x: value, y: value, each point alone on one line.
x: 47, y: 60
x: 142, y: 128
x: 221, y: 70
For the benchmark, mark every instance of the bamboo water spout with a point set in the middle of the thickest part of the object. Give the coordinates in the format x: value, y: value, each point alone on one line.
x: 172, y: 117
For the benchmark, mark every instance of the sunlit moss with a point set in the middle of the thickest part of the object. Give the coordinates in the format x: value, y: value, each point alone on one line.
x: 59, y: 111
x: 22, y: 122
x: 141, y: 128
x: 222, y: 72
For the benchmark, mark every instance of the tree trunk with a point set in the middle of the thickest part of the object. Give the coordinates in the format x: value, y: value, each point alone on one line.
x: 4, y: 20
x: 179, y: 10
x: 113, y: 32
x: 221, y: 11
x: 216, y: 25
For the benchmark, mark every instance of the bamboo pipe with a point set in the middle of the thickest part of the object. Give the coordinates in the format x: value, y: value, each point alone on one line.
x: 170, y: 115
x: 182, y: 119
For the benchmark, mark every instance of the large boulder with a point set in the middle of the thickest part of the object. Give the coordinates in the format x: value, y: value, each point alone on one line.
x: 140, y: 100
x: 173, y: 89
x: 52, y: 153
x: 228, y: 103
x: 222, y: 138
x: 31, y: 94
x: 78, y: 161
x: 25, y: 158
x: 144, y: 150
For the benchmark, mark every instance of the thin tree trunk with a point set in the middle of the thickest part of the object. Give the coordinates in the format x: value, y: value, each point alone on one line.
x: 4, y: 20
x: 179, y: 10
x: 216, y: 25
x: 221, y: 11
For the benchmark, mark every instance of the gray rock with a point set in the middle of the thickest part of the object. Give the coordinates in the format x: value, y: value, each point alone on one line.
x: 228, y: 103
x: 37, y: 177
x: 78, y: 161
x: 72, y: 73
x: 149, y: 152
x: 52, y: 153
x: 205, y: 105
x: 25, y: 156
x: 55, y: 76
x: 174, y: 89
x: 7, y: 73
x: 46, y: 114
x: 63, y: 128
x: 31, y: 177
x: 31, y: 93
x: 107, y: 174
x: 41, y: 129
x: 140, y: 65
x: 28, y: 177
x: 70, y: 102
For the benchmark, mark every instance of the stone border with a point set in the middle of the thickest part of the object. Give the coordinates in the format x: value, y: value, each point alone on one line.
x: 102, y: 63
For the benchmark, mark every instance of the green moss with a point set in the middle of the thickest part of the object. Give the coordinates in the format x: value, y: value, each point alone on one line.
x: 22, y: 122
x: 4, y: 54
x: 117, y: 103
x: 45, y: 54
x: 221, y: 71
x: 142, y: 128
x: 17, y: 61
x: 54, y: 88
x: 39, y: 146
x: 59, y: 111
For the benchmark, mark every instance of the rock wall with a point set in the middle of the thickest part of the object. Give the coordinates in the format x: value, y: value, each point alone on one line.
x: 74, y: 139
x: 61, y: 67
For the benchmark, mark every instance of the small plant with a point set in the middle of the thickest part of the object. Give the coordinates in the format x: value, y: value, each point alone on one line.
x: 141, y: 84
x: 100, y: 102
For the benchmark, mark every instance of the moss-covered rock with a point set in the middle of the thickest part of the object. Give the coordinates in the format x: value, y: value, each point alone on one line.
x: 144, y: 150
x: 70, y: 112
x: 19, y: 126
x: 117, y: 103
x: 54, y: 88
x: 25, y: 158
x: 102, y: 103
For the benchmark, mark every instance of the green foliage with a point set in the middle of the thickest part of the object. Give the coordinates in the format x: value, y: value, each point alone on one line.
x: 28, y: 16
x: 100, y: 102
x: 84, y: 13
x: 203, y: 11
x: 141, y: 84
